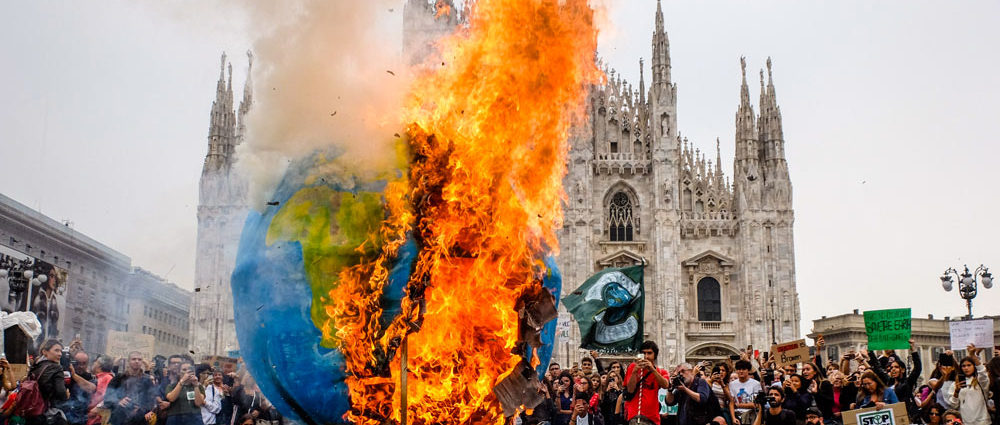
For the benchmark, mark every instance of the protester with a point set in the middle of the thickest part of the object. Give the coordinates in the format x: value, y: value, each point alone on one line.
x: 841, y: 400
x: 744, y: 389
x: 902, y: 384
x: 969, y: 394
x: 933, y: 416
x: 951, y: 417
x: 720, y: 389
x: 770, y: 411
x: 249, y: 400
x: 131, y: 394
x: 587, y: 366
x: 581, y: 411
x: 642, y: 383
x: 692, y: 396
x: 797, y: 396
x: 612, y: 393
x: 563, y: 398
x: 214, y: 394
x: 49, y: 375
x: 186, y: 396
x: 820, y: 390
x: 993, y: 369
x: 8, y: 383
x: 81, y: 388
x: 874, y: 393
x: 102, y: 375
x: 814, y: 416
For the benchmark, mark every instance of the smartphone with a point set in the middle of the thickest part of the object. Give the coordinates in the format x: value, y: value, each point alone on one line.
x: 756, y: 353
x: 765, y: 355
x: 734, y: 357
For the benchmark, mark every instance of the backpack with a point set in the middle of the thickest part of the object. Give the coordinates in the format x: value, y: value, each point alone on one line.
x: 29, y: 397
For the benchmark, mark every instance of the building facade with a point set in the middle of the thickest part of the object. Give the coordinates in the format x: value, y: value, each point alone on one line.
x: 719, y: 252
x: 222, y: 209
x: 846, y: 332
x: 157, y: 307
x: 83, y: 293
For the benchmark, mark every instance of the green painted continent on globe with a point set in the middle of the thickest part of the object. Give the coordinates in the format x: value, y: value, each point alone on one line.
x: 336, y: 229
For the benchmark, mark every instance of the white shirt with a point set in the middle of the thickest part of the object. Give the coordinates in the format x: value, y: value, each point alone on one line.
x: 744, y: 392
x: 212, y: 406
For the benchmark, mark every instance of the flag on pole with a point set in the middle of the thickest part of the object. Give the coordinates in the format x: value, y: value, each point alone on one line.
x: 608, y: 307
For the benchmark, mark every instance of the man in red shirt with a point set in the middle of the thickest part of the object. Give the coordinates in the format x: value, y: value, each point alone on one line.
x: 644, y: 380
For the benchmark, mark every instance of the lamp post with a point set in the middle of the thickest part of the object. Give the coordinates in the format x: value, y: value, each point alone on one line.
x: 968, y: 284
x: 774, y: 334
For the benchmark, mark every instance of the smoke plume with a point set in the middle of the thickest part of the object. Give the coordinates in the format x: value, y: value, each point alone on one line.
x: 326, y: 73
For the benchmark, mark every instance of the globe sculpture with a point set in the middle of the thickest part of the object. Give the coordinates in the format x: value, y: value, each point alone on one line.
x: 289, y: 256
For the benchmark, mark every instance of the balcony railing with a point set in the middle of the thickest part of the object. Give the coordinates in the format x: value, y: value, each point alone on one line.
x: 710, y: 328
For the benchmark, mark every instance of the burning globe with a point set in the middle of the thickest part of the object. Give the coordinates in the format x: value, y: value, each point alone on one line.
x: 424, y: 292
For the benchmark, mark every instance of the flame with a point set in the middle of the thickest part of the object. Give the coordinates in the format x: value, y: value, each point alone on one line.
x: 488, y: 137
x: 443, y: 9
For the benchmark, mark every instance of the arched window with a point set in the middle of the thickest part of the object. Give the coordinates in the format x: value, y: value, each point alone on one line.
x: 709, y: 300
x: 620, y: 214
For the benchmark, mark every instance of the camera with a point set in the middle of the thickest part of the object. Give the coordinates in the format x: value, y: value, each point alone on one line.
x: 64, y: 360
x: 677, y: 381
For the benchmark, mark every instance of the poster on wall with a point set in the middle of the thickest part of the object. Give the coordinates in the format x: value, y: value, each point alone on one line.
x: 30, y: 284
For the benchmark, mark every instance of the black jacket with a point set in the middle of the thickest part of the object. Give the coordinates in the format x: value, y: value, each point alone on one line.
x: 139, y: 389
x: 51, y: 383
x: 905, y: 385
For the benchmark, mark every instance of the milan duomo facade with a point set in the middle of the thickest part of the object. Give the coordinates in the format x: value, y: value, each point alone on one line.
x: 222, y: 210
x: 720, y: 259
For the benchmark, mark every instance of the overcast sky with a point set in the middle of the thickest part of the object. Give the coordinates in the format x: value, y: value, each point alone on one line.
x: 890, y: 111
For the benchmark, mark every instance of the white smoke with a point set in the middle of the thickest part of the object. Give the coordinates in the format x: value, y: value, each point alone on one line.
x: 326, y: 73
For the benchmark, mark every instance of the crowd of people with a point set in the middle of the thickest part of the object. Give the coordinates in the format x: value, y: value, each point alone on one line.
x: 64, y: 387
x: 753, y: 389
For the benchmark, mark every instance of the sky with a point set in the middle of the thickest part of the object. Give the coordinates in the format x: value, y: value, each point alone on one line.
x: 889, y: 111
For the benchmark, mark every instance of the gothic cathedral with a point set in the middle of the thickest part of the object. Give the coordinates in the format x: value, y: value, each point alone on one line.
x: 720, y: 258
x: 222, y: 209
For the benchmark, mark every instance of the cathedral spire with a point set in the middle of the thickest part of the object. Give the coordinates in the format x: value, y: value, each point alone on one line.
x: 718, y: 158
x: 247, y: 101
x: 642, y: 84
x: 770, y: 115
x: 222, y: 122
x: 661, y: 53
x: 745, y: 131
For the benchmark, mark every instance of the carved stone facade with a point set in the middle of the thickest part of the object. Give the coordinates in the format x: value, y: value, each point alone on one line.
x: 222, y: 209
x: 719, y: 253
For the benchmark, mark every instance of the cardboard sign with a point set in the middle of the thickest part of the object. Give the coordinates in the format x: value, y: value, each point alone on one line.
x: 789, y: 353
x: 964, y: 332
x: 18, y: 372
x: 120, y: 344
x: 891, y: 414
x: 888, y: 329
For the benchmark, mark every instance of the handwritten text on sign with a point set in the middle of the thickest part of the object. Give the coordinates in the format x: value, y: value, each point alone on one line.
x: 788, y: 353
x: 888, y: 329
x: 965, y: 332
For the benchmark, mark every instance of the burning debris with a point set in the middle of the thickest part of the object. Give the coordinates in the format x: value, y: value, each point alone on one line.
x: 481, y: 199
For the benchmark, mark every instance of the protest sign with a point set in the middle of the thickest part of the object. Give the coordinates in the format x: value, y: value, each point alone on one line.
x: 888, y: 329
x: 120, y: 344
x: 563, y: 328
x: 891, y: 414
x: 965, y: 332
x: 788, y: 353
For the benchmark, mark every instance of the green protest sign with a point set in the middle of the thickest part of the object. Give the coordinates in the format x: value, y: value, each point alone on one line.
x: 888, y: 329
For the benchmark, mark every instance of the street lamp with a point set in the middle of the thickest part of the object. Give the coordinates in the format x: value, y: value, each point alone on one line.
x: 967, y: 282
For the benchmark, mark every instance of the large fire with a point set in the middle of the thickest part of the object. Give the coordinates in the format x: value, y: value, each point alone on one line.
x: 488, y: 137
